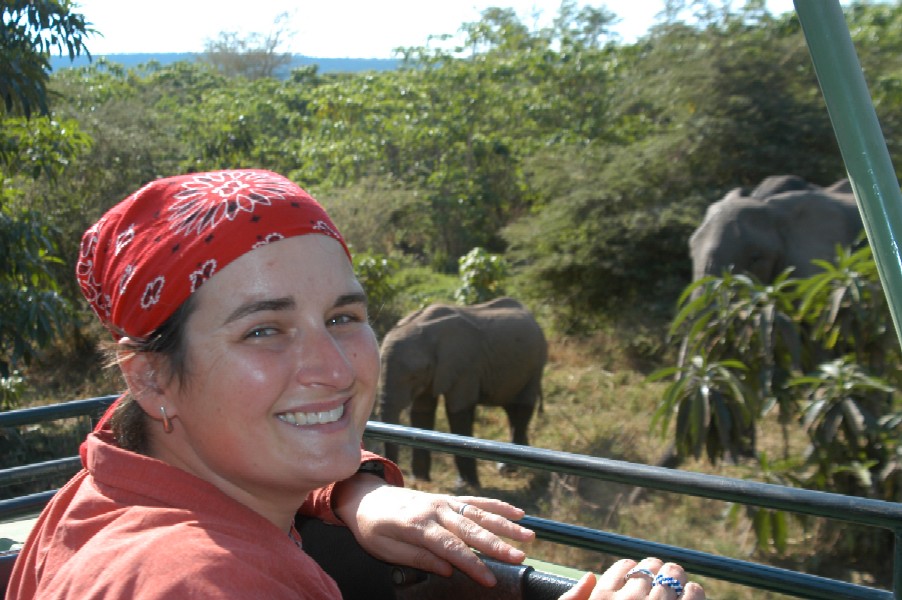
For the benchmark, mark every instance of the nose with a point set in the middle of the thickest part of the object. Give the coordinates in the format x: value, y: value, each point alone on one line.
x: 322, y: 360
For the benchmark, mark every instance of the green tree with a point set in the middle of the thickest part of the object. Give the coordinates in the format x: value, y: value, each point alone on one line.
x: 31, y: 29
x: 32, y: 312
x: 481, y: 276
x: 821, y: 350
x: 743, y: 104
x: 731, y: 323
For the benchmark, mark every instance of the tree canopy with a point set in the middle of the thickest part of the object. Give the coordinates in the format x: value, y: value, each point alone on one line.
x: 31, y: 30
x: 584, y: 161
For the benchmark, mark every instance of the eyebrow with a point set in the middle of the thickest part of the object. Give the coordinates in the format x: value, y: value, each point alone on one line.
x: 345, y: 299
x: 260, y: 306
x: 287, y: 303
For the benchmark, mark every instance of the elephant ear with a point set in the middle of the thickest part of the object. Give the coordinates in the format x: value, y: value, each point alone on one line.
x: 457, y: 354
x: 761, y: 241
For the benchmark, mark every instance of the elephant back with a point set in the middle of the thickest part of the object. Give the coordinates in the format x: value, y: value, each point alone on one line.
x: 455, y: 340
x: 436, y: 311
x: 842, y: 186
x: 765, y: 235
x: 837, y: 212
x: 777, y: 184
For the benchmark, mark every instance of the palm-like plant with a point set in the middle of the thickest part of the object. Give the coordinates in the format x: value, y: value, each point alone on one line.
x: 842, y: 411
x: 739, y: 346
x: 710, y: 403
x: 844, y: 309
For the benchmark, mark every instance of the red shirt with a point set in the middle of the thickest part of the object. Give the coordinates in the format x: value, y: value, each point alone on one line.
x: 130, y: 526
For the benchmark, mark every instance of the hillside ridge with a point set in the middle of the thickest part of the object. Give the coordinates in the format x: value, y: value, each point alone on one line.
x: 324, y: 65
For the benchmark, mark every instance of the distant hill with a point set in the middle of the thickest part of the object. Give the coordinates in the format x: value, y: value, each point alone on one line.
x: 325, y: 65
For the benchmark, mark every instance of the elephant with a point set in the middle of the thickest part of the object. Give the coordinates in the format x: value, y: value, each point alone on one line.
x: 776, y: 184
x: 762, y: 236
x: 490, y: 354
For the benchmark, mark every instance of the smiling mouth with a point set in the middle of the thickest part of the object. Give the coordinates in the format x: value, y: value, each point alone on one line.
x: 312, y: 418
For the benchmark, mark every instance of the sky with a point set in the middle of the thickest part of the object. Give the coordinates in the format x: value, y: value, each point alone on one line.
x: 324, y: 29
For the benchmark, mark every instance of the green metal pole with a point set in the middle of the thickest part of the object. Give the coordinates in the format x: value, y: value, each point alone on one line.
x: 864, y: 151
x: 860, y: 139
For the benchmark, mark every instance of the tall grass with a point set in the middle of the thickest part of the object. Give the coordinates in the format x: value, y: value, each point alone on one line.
x: 592, y: 410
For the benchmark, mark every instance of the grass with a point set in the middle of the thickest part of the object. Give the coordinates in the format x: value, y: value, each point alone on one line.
x: 591, y: 410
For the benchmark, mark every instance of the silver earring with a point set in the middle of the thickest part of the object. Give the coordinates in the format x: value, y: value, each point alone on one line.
x: 167, y: 423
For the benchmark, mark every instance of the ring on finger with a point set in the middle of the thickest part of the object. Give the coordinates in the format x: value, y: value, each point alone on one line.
x: 462, y: 508
x: 639, y: 571
x: 671, y: 582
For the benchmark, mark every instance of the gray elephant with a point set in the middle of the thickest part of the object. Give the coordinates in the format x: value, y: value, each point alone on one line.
x: 762, y: 236
x: 490, y: 354
x: 776, y: 184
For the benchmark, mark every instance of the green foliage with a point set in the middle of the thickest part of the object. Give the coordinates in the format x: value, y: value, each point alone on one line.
x: 711, y: 407
x: 482, y: 277
x: 840, y: 410
x: 375, y: 273
x: 40, y: 146
x: 818, y: 349
x: 844, y: 307
x: 32, y: 313
x: 31, y: 29
x: 11, y: 389
x: 420, y: 286
x: 726, y: 323
x: 771, y: 526
x: 598, y: 241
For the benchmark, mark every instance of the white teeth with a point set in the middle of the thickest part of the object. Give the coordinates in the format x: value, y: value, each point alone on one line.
x: 313, y: 418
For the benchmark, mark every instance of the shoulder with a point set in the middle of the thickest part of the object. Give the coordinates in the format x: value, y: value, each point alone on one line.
x: 186, y: 560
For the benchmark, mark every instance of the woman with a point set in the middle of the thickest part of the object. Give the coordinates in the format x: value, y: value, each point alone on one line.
x: 251, y: 370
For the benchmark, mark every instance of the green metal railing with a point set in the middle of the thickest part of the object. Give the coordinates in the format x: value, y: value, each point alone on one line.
x: 850, y: 509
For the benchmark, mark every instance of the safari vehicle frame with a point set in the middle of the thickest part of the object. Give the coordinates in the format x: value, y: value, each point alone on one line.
x: 877, y: 191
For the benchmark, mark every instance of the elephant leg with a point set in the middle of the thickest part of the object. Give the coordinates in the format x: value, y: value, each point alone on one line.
x: 391, y: 452
x: 422, y: 416
x: 518, y: 416
x: 461, y: 423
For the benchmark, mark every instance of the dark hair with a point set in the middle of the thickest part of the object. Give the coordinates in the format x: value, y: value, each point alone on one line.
x: 129, y: 422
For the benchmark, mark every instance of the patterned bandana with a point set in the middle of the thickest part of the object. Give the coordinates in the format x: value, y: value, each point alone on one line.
x: 151, y: 251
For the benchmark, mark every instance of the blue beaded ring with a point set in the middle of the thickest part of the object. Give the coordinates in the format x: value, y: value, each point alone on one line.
x: 638, y: 571
x: 671, y: 582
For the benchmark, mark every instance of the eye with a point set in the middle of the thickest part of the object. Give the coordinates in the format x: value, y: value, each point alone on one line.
x: 261, y: 332
x: 343, y: 319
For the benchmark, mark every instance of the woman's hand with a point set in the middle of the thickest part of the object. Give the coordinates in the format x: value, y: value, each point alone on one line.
x: 431, y: 532
x: 650, y: 579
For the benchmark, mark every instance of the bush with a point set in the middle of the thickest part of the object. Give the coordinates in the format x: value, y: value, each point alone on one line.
x: 481, y: 276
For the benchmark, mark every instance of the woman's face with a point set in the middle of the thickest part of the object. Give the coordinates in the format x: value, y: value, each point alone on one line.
x: 282, y: 367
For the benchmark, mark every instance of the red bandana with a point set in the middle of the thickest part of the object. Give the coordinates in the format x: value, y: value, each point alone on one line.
x: 151, y: 251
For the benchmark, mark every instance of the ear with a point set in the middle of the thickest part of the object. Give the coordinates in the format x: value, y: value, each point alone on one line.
x: 146, y: 376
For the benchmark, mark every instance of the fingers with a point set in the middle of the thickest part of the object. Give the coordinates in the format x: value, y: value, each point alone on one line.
x: 456, y: 549
x: 485, y: 516
x: 582, y: 589
x: 477, y: 524
x: 632, y: 580
x: 649, y: 579
x: 492, y: 505
x: 669, y: 583
x: 693, y: 591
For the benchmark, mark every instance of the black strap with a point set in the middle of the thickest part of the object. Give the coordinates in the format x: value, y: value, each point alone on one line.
x: 360, y: 576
